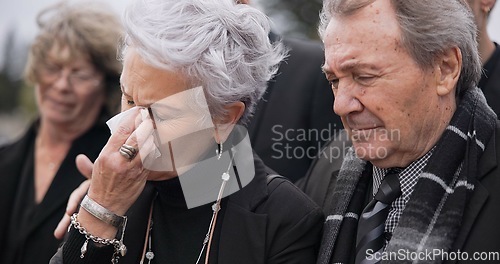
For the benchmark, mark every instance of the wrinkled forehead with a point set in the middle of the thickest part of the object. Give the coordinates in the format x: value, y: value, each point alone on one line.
x: 369, y: 30
x: 148, y: 84
x: 375, y: 20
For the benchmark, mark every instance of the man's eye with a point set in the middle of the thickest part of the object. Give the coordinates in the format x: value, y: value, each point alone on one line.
x: 365, y: 79
x: 130, y: 102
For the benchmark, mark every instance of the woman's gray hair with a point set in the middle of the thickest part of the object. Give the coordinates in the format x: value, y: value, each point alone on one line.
x: 429, y: 29
x: 220, y: 45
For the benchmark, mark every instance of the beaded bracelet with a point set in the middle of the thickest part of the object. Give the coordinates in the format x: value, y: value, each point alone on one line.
x: 120, y: 248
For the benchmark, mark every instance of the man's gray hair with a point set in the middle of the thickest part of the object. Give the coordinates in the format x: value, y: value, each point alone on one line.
x: 429, y: 29
x: 220, y: 45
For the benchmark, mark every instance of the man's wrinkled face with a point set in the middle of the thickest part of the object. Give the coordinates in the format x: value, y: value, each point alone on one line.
x: 386, y: 101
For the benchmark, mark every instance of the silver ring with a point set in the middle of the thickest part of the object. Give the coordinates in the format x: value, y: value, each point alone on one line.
x: 128, y: 151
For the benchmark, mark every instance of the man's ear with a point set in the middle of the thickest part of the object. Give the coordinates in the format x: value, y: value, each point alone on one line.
x: 447, y: 71
x: 223, y: 128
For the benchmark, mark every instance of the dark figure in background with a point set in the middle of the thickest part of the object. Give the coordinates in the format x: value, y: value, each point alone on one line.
x: 489, y: 52
x: 73, y: 67
x: 422, y: 175
x: 294, y: 117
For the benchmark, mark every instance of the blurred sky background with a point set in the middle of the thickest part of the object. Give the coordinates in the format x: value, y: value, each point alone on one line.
x: 296, y: 18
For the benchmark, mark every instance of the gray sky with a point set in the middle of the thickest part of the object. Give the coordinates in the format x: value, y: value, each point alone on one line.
x: 21, y: 13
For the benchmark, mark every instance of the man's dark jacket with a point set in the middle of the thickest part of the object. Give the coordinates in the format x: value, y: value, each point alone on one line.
x: 479, y: 232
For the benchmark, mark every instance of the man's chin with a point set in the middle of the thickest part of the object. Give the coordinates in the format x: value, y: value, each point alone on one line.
x: 370, y: 152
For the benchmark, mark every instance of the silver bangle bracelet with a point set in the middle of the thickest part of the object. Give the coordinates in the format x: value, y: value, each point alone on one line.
x: 102, y: 213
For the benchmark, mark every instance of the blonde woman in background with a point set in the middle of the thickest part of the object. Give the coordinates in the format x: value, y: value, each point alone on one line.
x: 73, y: 68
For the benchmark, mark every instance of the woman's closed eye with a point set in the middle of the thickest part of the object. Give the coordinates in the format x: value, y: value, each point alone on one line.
x: 128, y: 101
x: 162, y: 117
x: 164, y: 112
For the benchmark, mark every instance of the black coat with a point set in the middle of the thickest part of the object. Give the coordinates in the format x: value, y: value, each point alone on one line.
x: 36, y: 244
x: 479, y: 232
x: 262, y: 223
x: 298, y: 102
x: 490, y: 80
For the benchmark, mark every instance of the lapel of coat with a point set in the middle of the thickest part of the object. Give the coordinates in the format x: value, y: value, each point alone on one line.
x: 12, y: 158
x: 244, y: 230
x: 68, y: 178
x: 487, y: 163
x: 321, y: 177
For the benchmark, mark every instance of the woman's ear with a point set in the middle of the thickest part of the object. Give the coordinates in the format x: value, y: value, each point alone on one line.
x: 448, y: 69
x: 487, y: 5
x: 223, y: 127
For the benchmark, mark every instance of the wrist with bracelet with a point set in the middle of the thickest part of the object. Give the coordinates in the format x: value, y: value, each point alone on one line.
x: 102, y: 213
x: 107, y: 217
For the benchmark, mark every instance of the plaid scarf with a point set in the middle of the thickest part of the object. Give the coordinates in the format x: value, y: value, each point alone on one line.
x: 432, y: 217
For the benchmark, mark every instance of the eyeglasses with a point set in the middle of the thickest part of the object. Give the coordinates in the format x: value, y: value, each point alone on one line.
x: 52, y: 72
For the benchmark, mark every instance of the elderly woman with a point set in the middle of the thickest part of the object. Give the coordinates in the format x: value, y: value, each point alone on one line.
x: 193, y: 72
x: 72, y: 65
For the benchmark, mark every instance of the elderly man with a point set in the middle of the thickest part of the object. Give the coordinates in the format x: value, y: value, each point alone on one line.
x: 420, y: 182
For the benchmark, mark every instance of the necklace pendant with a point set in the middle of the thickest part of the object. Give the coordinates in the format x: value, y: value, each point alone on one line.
x: 215, y: 207
x: 123, y: 250
x: 83, y: 249
x: 150, y: 255
x: 225, y: 176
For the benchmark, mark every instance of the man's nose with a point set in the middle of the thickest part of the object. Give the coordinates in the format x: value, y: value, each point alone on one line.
x: 346, y: 100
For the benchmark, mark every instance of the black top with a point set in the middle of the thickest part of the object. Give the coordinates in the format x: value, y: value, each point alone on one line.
x: 26, y: 228
x: 178, y: 232
x: 490, y: 80
x: 271, y: 223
